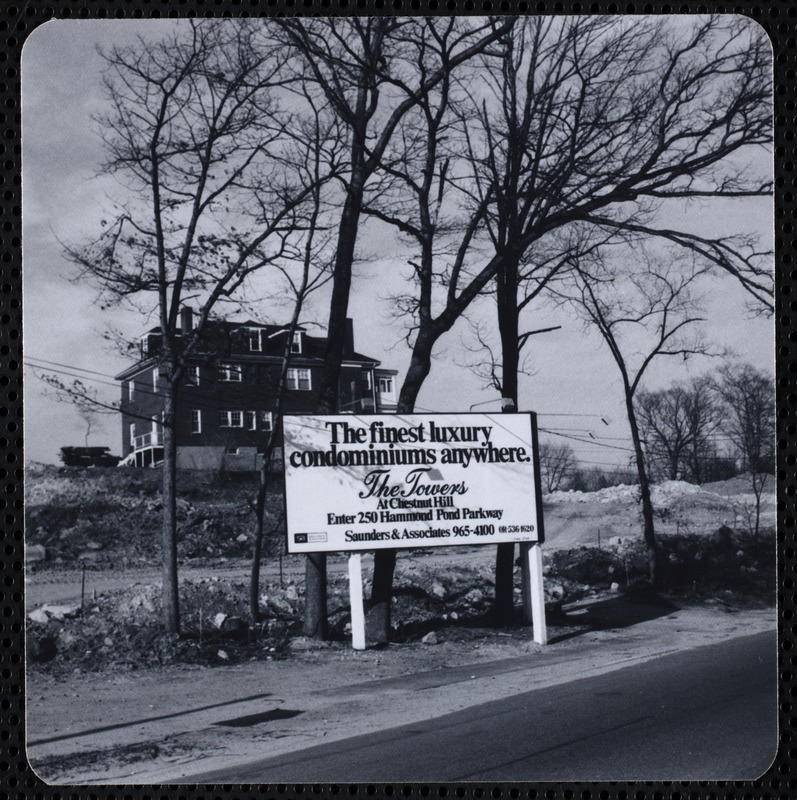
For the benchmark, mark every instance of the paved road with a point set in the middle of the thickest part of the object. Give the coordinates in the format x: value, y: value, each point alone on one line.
x: 708, y: 713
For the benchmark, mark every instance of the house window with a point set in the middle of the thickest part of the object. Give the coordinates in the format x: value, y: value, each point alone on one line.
x: 155, y: 379
x: 131, y: 390
x: 132, y: 435
x: 267, y: 421
x: 368, y: 380
x: 230, y: 373
x: 299, y: 379
x: 386, y: 385
x: 192, y: 376
x: 231, y: 419
x: 296, y: 342
x: 196, y: 420
x: 254, y: 340
x: 251, y: 420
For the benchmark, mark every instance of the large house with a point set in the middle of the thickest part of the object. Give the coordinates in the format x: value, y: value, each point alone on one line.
x: 225, y: 411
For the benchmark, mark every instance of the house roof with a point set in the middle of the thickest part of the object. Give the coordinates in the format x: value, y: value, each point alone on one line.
x: 313, y: 347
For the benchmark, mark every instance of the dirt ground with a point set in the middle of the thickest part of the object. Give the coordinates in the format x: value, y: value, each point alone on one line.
x: 164, y: 724
x: 109, y: 699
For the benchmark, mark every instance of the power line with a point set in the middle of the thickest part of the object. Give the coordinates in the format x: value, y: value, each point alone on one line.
x: 586, y: 441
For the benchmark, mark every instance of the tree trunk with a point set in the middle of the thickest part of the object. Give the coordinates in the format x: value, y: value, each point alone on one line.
x: 378, y: 622
x: 315, y: 594
x: 257, y: 548
x: 503, y: 603
x: 507, y: 307
x: 170, y: 594
x: 379, y: 617
x: 315, y: 598
x: 648, y: 529
x: 339, y: 302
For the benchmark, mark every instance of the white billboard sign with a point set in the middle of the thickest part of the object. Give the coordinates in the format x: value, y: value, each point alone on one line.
x: 417, y: 480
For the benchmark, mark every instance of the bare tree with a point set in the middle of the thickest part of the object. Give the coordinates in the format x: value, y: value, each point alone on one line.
x: 312, y: 257
x: 373, y: 71
x: 196, y: 135
x: 618, y: 118
x: 748, y: 397
x: 84, y: 398
x: 557, y: 465
x: 643, y: 306
x: 677, y: 425
x: 663, y: 430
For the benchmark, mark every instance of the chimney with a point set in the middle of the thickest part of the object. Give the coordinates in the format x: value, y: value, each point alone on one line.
x: 186, y: 319
x: 348, y: 338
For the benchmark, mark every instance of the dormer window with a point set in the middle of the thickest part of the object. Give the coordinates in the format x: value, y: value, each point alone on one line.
x: 385, y: 385
x: 296, y: 342
x: 254, y: 340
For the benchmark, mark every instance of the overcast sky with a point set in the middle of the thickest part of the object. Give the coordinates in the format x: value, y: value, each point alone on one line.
x: 574, y: 384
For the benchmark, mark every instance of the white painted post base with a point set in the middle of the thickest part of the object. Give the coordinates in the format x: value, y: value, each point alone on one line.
x: 356, y: 601
x: 533, y: 594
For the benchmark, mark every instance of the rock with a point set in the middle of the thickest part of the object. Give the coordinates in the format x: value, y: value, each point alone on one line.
x: 454, y: 615
x: 473, y: 597
x: 59, y: 612
x: 142, y: 601
x: 291, y: 593
x: 218, y: 620
x: 42, y: 650
x: 615, y: 587
x: 438, y: 590
x: 35, y: 552
x: 282, y: 605
x: 242, y: 539
x: 223, y: 655
x: 430, y: 638
x: 555, y: 591
x: 235, y: 627
x: 107, y: 641
x: 39, y: 616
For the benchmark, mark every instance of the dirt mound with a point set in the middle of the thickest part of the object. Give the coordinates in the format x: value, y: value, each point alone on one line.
x: 122, y: 629
x: 740, y: 485
x: 111, y: 517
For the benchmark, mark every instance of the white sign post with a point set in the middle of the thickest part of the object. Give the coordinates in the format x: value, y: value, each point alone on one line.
x: 533, y: 593
x: 358, y: 483
x: 356, y: 601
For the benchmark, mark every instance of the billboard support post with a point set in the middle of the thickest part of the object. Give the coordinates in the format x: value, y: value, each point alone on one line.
x: 533, y: 594
x: 356, y: 601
